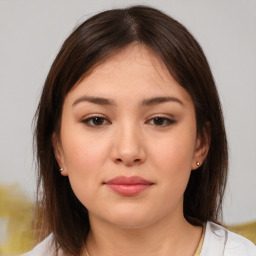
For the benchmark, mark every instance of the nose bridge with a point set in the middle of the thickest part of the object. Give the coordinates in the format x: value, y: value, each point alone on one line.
x: 129, y: 148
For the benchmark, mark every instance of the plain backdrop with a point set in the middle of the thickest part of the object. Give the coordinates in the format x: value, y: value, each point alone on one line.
x: 32, y: 31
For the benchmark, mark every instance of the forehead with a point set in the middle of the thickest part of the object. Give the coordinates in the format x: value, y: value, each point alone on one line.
x: 135, y: 70
x: 137, y: 59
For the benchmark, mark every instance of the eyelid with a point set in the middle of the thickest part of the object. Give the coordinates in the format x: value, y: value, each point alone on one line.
x: 90, y: 117
x: 168, y: 118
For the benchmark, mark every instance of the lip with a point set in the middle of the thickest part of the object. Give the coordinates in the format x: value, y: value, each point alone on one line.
x: 128, y: 186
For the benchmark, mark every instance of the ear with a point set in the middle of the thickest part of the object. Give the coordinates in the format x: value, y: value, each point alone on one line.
x: 58, y: 152
x: 202, y: 146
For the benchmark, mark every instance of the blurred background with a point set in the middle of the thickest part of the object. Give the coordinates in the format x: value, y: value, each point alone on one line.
x: 31, y: 33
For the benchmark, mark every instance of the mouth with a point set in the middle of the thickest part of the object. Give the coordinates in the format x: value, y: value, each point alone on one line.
x: 128, y: 186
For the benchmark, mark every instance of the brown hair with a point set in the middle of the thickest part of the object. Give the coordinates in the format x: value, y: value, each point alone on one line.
x: 89, y: 44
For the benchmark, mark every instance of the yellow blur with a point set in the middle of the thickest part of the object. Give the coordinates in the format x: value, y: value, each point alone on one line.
x: 16, y: 222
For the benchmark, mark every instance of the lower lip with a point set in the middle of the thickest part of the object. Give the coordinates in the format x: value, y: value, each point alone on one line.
x: 129, y: 190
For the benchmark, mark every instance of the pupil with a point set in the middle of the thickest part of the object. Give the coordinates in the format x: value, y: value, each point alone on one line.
x: 97, y: 121
x: 158, y: 121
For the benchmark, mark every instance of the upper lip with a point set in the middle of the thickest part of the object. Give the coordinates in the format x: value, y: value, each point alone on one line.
x: 124, y: 180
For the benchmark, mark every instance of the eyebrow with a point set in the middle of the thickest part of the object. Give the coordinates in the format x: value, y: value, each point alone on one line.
x: 158, y: 100
x: 95, y: 100
x: 146, y: 102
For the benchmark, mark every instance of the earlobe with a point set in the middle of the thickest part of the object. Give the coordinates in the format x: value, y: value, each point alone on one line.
x: 202, y: 146
x: 59, y: 154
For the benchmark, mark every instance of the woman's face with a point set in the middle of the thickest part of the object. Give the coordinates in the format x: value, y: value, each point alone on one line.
x: 128, y: 141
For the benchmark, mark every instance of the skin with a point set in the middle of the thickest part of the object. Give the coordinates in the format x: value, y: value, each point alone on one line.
x: 131, y: 135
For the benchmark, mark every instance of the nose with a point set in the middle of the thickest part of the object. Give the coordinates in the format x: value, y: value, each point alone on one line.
x: 128, y: 147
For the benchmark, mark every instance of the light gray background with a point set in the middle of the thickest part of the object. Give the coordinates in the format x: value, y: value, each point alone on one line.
x: 32, y: 31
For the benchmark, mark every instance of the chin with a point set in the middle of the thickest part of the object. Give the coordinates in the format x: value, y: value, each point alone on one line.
x: 128, y: 219
x: 131, y: 223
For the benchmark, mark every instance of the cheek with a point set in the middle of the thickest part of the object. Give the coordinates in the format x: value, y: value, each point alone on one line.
x: 172, y: 159
x: 83, y: 151
x: 84, y: 159
x: 174, y: 155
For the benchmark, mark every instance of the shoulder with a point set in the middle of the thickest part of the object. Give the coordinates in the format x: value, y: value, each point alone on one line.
x: 219, y: 241
x: 239, y: 245
x: 46, y: 247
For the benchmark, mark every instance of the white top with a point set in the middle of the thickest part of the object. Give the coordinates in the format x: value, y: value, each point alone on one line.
x: 218, y: 241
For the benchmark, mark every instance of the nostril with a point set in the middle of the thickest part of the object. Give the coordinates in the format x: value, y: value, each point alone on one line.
x: 128, y: 162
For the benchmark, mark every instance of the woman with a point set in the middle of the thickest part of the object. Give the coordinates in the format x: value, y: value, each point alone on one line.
x: 131, y: 144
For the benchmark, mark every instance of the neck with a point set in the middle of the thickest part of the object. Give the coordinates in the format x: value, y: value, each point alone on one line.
x: 167, y: 237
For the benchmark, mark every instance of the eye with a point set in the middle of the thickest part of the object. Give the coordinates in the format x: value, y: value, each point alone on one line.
x: 96, y: 121
x: 161, y: 121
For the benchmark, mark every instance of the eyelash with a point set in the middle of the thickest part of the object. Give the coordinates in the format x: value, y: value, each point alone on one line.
x: 164, y: 121
x: 88, y: 121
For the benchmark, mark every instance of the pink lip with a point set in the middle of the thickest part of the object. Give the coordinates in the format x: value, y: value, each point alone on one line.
x: 128, y: 186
